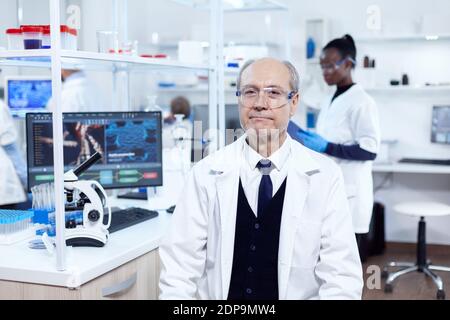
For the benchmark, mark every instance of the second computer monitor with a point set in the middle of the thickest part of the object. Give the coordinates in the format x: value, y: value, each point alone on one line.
x: 27, y: 94
x: 440, y: 126
x: 130, y: 143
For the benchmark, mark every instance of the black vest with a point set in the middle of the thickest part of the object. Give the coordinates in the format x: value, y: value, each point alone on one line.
x: 254, y: 274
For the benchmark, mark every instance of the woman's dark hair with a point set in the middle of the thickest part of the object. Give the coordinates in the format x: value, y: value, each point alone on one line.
x: 345, y: 46
x: 180, y: 105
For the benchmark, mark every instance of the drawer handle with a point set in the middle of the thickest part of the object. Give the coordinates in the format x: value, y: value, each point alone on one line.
x: 119, y: 287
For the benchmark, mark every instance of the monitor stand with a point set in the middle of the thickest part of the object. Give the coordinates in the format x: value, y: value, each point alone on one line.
x: 139, y: 195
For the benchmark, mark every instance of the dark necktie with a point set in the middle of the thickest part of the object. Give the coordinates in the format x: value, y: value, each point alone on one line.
x: 265, y: 186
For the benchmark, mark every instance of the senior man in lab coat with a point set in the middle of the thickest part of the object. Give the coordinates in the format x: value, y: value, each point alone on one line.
x: 264, y: 217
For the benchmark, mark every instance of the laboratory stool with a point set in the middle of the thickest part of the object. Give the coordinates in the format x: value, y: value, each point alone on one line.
x: 422, y: 210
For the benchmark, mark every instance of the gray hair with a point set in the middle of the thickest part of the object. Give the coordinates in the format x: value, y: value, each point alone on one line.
x: 294, y: 80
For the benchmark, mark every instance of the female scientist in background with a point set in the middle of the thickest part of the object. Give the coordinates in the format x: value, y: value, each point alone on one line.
x: 348, y: 130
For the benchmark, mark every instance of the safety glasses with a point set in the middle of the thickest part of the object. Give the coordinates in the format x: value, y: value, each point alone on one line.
x: 273, y: 97
x: 335, y: 66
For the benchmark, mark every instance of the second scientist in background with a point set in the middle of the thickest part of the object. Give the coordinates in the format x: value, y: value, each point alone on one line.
x: 348, y: 130
x: 78, y: 93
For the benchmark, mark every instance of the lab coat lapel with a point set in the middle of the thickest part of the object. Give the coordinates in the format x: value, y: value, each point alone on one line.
x: 297, y: 188
x: 227, y: 188
x: 227, y: 193
x: 296, y: 192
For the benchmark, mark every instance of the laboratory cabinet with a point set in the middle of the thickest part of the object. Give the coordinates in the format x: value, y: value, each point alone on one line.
x: 135, y: 280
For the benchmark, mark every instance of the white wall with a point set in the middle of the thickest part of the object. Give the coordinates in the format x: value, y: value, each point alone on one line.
x: 8, y: 18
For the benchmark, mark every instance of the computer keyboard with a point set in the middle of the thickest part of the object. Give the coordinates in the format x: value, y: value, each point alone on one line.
x: 134, y: 196
x: 125, y: 218
x: 443, y: 162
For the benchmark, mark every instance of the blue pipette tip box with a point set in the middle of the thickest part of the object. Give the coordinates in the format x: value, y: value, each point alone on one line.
x: 40, y: 216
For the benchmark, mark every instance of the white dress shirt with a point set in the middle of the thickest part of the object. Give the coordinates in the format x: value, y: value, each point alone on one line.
x: 251, y: 176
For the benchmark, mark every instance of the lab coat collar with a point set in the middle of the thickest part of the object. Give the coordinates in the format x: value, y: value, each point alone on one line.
x: 76, y: 75
x: 74, y: 80
x: 354, y: 89
x: 229, y: 158
x: 278, y: 158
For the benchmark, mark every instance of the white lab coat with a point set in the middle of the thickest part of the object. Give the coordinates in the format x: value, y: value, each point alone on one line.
x: 79, y: 94
x: 11, y: 190
x: 177, y: 154
x: 317, y: 257
x: 353, y: 118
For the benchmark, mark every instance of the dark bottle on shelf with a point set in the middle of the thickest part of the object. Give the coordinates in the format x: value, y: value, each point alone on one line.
x: 405, y: 79
x: 366, y: 62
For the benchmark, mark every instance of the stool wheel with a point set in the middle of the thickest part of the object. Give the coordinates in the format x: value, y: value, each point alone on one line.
x: 388, y: 288
x: 440, y: 295
x: 384, y: 274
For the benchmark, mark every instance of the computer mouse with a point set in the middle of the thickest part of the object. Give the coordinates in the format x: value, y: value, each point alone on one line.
x: 171, y: 209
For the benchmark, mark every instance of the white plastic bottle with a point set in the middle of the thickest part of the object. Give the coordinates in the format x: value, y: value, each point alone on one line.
x: 151, y: 104
x: 181, y: 136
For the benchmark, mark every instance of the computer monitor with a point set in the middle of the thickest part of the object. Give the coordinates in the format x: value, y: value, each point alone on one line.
x: 440, y: 126
x: 130, y: 143
x: 27, y: 94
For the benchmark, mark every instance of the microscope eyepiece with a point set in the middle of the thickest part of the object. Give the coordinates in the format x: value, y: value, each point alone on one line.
x: 87, y: 164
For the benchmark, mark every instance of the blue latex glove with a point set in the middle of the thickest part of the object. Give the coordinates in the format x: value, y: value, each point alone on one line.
x: 313, y: 141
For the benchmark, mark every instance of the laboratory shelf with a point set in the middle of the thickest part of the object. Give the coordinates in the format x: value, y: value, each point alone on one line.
x: 227, y: 43
x: 410, y: 168
x: 236, y: 6
x: 409, y: 89
x: 191, y: 90
x: 25, y: 53
x: 106, y: 58
x: 405, y: 37
x: 26, y: 58
x: 94, y: 60
x: 231, y: 71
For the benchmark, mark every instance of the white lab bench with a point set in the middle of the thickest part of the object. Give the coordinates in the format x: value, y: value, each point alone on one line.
x: 402, y: 182
x: 127, y: 267
x: 410, y: 168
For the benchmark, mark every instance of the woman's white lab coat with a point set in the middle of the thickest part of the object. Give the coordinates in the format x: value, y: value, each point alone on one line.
x: 352, y: 118
x: 79, y: 94
x: 11, y: 190
x: 317, y: 257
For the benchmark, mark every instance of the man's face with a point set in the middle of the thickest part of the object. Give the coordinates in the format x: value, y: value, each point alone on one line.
x: 259, y: 115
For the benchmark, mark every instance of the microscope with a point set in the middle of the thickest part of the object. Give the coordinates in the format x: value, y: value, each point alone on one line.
x: 89, y: 197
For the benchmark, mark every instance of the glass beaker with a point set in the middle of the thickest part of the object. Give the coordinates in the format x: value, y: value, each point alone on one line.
x: 108, y: 41
x: 129, y: 48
